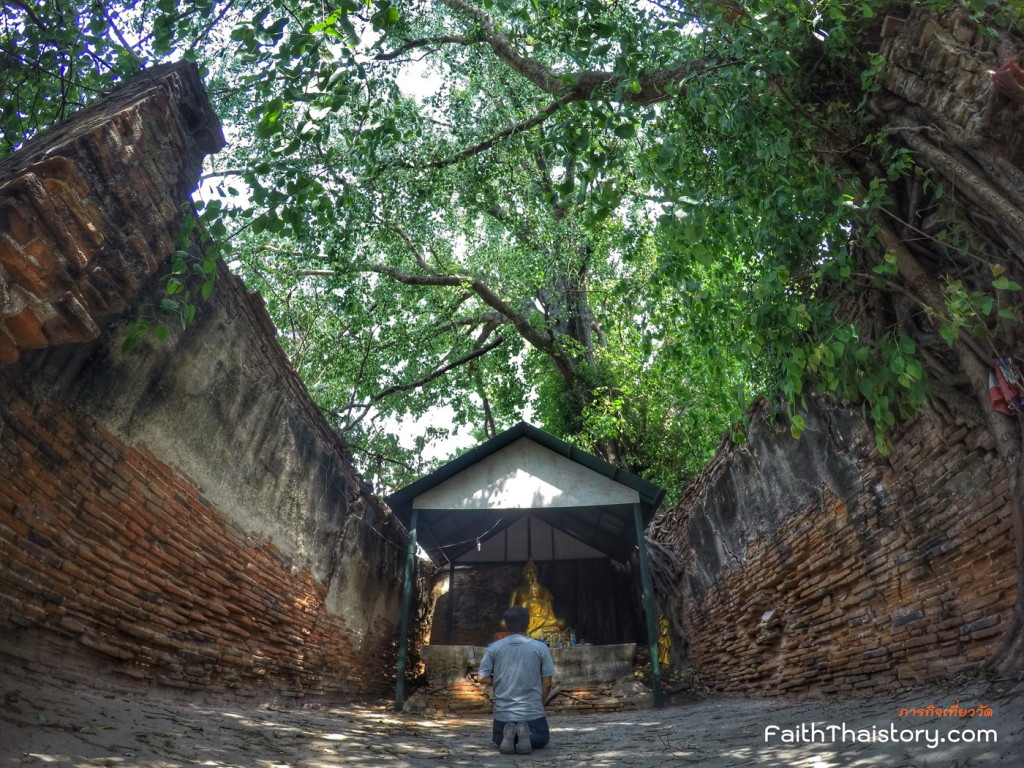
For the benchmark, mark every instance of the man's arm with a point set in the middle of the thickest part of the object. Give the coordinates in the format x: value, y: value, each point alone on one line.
x: 545, y: 689
x: 485, y: 671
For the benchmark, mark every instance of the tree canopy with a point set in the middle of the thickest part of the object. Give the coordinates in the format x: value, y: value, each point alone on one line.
x: 627, y: 218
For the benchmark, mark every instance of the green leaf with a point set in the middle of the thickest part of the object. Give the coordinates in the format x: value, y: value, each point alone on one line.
x: 134, y: 332
x: 625, y: 130
x: 1004, y: 284
x: 949, y: 333
x: 178, y: 261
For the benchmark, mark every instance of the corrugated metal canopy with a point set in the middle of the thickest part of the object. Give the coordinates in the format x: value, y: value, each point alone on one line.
x: 573, y: 504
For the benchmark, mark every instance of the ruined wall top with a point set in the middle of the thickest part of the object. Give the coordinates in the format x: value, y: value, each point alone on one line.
x: 93, y: 205
x: 948, y: 66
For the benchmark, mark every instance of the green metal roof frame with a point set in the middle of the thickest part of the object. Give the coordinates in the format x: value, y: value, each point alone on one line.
x: 446, y: 534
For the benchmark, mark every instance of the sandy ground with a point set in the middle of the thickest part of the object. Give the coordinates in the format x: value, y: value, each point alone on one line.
x: 86, y: 726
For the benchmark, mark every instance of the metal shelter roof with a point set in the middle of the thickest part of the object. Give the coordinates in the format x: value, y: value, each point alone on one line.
x: 525, y: 482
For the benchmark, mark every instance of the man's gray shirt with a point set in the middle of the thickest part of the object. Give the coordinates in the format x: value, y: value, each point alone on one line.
x: 515, y: 665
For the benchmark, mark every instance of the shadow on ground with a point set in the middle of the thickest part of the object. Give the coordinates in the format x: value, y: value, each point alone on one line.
x: 91, y: 728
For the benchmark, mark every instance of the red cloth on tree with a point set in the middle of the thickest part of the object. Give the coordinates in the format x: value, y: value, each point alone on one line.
x: 1006, y: 387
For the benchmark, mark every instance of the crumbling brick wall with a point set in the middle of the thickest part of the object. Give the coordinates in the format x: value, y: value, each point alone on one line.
x: 942, y: 66
x: 91, y: 207
x: 181, y: 515
x: 819, y: 566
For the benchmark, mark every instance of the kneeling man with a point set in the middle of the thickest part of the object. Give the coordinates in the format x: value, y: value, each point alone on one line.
x: 520, y: 669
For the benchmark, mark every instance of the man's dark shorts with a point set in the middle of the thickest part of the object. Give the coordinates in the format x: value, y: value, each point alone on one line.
x: 539, y: 734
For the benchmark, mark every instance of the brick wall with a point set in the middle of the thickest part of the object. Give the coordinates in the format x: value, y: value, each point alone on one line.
x: 104, y: 543
x: 91, y: 206
x: 181, y: 516
x: 942, y: 65
x: 819, y: 566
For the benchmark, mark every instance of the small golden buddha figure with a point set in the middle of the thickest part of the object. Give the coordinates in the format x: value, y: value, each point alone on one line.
x: 664, y: 642
x: 538, y: 600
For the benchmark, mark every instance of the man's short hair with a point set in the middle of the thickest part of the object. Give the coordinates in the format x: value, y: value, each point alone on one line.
x: 517, y: 619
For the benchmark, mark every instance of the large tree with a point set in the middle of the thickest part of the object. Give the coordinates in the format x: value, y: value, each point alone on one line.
x: 633, y: 215
x: 500, y: 233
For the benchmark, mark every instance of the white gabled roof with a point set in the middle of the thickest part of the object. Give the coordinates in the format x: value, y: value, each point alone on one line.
x: 526, y: 494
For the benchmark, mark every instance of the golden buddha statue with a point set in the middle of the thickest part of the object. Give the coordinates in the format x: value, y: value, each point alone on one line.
x: 538, y: 600
x: 664, y: 642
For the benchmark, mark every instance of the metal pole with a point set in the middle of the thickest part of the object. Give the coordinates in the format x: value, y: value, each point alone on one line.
x: 649, y: 606
x: 403, y: 630
x: 451, y: 601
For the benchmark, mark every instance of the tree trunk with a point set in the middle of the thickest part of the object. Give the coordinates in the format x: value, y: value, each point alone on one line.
x: 964, y: 226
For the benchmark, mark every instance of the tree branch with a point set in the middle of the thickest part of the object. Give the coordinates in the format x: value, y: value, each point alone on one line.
x: 479, y: 352
x: 425, y: 42
x: 486, y: 144
x: 415, y: 250
x: 925, y: 286
x: 650, y: 88
x: 536, y: 73
x: 979, y: 189
x: 117, y: 33
x: 521, y: 230
x: 647, y: 88
x: 352, y: 395
x: 545, y: 343
x: 486, y: 331
x: 380, y: 457
x: 487, y: 321
x: 410, y: 279
x: 201, y: 36
x: 28, y: 12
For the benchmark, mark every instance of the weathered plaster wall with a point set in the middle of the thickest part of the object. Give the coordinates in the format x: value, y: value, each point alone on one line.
x: 819, y: 566
x: 181, y: 515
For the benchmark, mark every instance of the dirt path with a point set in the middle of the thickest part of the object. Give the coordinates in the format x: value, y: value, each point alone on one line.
x: 89, y: 727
